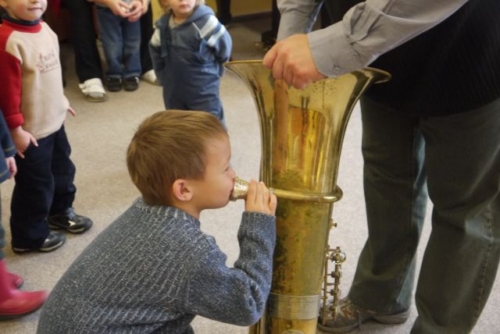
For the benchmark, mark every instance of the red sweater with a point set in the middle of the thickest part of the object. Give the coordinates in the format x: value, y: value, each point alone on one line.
x: 31, y: 92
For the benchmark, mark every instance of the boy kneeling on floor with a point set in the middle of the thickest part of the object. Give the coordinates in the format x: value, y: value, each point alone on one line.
x: 153, y: 269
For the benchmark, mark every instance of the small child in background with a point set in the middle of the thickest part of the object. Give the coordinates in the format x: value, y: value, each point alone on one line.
x: 35, y: 108
x: 153, y: 269
x: 121, y: 41
x: 13, y: 302
x: 188, y: 48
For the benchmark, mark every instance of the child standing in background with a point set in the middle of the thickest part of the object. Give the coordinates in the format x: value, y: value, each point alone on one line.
x: 13, y: 302
x: 154, y: 269
x: 188, y: 48
x: 35, y: 108
x: 121, y: 42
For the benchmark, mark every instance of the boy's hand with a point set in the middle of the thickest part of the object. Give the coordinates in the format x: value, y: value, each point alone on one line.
x: 11, y: 164
x: 260, y: 199
x: 136, y: 10
x: 22, y: 140
x: 118, y: 7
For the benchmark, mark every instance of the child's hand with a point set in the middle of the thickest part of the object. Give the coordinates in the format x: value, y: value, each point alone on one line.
x: 22, y: 140
x: 135, y: 11
x: 72, y: 111
x: 118, y: 7
x: 260, y: 199
x: 11, y: 164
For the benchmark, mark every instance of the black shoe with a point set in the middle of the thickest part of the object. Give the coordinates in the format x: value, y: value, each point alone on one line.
x: 70, y: 221
x: 54, y: 241
x: 131, y: 83
x: 114, y: 84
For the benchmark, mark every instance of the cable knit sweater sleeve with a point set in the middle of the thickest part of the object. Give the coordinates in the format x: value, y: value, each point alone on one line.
x: 235, y: 295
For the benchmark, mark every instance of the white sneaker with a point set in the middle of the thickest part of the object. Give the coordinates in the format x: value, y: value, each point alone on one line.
x: 150, y: 77
x: 93, y: 90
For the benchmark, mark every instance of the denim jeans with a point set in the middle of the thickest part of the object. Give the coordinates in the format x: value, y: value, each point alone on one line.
x: 455, y: 160
x: 121, y: 42
x: 44, y: 186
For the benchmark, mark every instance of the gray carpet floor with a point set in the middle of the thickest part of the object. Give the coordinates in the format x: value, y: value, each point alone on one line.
x: 99, y: 135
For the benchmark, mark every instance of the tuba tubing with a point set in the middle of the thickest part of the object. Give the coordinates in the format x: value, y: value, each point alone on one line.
x: 302, y: 131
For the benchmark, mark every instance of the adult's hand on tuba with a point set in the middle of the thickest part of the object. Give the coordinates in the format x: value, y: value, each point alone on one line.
x: 292, y: 61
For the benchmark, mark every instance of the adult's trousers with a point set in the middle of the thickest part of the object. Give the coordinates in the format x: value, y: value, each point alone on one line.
x: 455, y: 162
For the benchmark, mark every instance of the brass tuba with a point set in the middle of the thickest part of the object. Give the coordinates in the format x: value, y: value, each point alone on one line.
x: 301, y: 136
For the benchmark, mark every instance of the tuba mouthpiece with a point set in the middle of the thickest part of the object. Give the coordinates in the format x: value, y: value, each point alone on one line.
x: 240, y: 189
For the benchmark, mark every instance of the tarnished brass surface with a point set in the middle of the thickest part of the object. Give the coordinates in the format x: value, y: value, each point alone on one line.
x: 301, y: 136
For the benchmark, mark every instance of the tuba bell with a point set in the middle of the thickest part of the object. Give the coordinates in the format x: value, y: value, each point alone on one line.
x: 302, y: 131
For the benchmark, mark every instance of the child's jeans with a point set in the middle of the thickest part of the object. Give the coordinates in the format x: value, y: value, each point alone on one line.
x: 44, y: 186
x: 121, y: 42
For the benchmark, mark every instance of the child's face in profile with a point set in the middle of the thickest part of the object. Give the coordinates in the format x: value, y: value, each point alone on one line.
x: 26, y: 10
x: 215, y: 189
x: 182, y: 9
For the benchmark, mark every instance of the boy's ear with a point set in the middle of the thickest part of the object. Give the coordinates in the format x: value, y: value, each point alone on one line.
x: 181, y: 190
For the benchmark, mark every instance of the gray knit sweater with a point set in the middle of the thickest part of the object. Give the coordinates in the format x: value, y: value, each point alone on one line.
x: 153, y: 270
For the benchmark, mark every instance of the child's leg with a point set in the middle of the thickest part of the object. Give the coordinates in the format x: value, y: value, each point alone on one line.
x: 131, y: 49
x: 62, y: 216
x: 63, y: 172
x: 209, y: 101
x: 32, y: 195
x: 131, y: 55
x: 112, y: 40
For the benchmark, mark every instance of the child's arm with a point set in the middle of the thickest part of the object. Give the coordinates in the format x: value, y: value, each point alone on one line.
x: 10, y: 101
x: 11, y: 164
x: 155, y: 52
x: 220, y: 41
x: 8, y: 147
x: 11, y: 91
x: 235, y: 295
x: 118, y: 7
x: 137, y: 9
x: 238, y: 295
x: 22, y: 139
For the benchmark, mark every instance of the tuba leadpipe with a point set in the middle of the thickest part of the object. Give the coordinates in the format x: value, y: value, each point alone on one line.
x: 302, y: 131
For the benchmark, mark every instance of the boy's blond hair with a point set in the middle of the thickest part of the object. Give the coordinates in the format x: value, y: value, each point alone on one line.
x: 166, y: 7
x: 170, y: 145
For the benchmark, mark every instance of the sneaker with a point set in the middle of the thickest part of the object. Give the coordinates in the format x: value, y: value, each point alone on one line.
x: 349, y: 317
x: 114, y: 84
x: 131, y: 83
x: 70, y: 222
x: 53, y: 242
x: 93, y: 90
x: 150, y: 77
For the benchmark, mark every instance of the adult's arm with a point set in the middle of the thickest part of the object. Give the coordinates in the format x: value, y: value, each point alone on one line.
x: 367, y: 30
